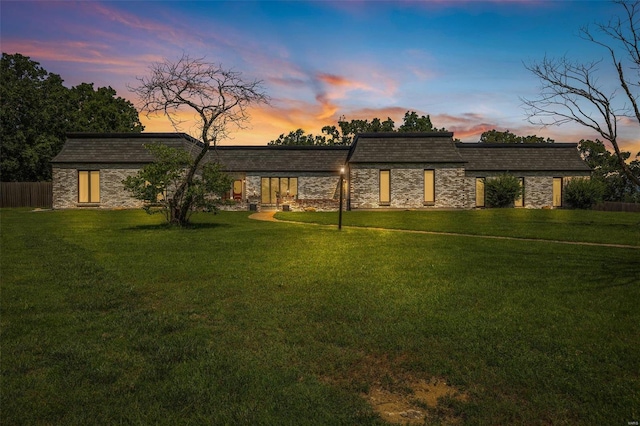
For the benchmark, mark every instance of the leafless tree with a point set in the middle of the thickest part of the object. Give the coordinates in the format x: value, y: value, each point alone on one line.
x: 218, y: 97
x: 571, y: 91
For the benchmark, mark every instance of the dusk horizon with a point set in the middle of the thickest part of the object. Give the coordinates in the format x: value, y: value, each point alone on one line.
x: 462, y: 63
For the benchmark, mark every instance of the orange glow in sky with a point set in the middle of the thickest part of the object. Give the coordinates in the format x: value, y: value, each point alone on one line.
x: 459, y: 62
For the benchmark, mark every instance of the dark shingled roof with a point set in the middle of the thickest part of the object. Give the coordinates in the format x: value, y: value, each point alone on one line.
x: 119, y: 147
x: 129, y: 148
x: 522, y: 157
x: 367, y: 148
x: 281, y: 158
x: 383, y: 147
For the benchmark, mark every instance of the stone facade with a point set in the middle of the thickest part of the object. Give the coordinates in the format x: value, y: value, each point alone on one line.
x: 112, y: 193
x: 315, y: 191
x: 407, y: 186
x: 405, y: 156
x: 538, y: 186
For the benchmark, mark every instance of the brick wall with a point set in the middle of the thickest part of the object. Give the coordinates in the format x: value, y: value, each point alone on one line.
x: 538, y: 186
x: 112, y: 193
x: 453, y: 187
x: 315, y: 190
x: 407, y: 186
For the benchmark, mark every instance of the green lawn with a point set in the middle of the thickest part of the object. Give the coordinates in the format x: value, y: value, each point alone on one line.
x: 109, y: 317
x: 569, y: 225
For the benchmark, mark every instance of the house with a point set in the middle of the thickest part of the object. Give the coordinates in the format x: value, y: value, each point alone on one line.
x: 380, y: 170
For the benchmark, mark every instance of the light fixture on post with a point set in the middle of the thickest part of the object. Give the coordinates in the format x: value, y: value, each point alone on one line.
x: 341, y: 195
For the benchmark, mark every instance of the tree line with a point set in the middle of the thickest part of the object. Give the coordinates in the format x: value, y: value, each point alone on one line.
x: 345, y: 131
x: 37, y: 110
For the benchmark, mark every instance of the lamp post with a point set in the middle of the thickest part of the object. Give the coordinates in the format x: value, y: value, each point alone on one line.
x: 341, y: 195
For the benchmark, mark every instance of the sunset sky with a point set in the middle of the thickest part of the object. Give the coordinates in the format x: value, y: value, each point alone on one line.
x: 459, y: 61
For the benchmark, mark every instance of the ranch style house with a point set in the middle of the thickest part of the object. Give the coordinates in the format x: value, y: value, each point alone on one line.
x: 379, y: 171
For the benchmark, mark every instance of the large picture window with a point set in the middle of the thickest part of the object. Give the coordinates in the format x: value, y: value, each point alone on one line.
x: 88, y: 186
x: 278, y: 188
x: 385, y: 187
x: 429, y: 187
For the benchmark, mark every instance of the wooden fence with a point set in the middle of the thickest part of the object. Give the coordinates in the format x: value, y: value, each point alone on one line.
x: 610, y: 206
x: 26, y: 194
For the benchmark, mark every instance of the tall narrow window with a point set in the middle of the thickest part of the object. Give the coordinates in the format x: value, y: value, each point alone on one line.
x: 557, y: 192
x: 479, y: 192
x: 385, y: 186
x: 519, y: 202
x: 88, y: 186
x: 293, y: 187
x: 264, y: 191
x: 429, y: 187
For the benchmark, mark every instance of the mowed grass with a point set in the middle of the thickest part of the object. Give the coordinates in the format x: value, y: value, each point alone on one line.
x: 567, y: 225
x: 109, y: 317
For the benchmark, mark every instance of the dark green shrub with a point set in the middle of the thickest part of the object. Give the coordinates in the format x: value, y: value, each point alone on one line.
x: 502, y: 191
x: 583, y: 193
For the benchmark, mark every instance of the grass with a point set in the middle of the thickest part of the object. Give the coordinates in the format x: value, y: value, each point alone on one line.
x: 111, y: 317
x: 567, y: 225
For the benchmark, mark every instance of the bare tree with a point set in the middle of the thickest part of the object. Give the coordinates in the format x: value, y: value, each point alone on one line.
x: 218, y: 97
x: 571, y: 92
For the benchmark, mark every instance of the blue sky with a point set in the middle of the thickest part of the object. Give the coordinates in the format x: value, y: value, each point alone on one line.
x: 459, y: 61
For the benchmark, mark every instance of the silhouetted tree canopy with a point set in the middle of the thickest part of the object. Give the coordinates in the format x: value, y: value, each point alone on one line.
x: 344, y: 133
x: 37, y: 110
x: 494, y: 136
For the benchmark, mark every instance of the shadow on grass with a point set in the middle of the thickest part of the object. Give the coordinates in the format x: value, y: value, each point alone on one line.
x: 614, y: 272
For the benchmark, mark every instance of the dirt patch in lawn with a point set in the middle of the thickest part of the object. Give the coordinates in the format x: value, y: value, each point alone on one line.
x: 400, y: 394
x: 415, y: 401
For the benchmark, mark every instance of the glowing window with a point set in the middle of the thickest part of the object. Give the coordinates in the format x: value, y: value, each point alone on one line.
x: 88, y: 186
x: 520, y: 200
x: 237, y: 189
x: 557, y: 192
x: 283, y: 189
x: 479, y: 192
x: 429, y: 187
x: 385, y: 186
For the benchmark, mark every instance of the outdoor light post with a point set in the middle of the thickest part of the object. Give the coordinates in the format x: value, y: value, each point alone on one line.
x: 341, y: 191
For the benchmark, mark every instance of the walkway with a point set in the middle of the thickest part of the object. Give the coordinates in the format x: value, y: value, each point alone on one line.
x: 266, y: 216
x: 269, y: 217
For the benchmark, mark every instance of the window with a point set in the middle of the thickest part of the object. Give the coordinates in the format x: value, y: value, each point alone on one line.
x: 557, y: 192
x: 88, y: 186
x: 519, y: 202
x: 479, y: 192
x: 237, y: 189
x: 278, y: 188
x: 429, y: 187
x: 385, y: 187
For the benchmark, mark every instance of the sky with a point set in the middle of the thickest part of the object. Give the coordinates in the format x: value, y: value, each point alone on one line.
x: 461, y: 62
